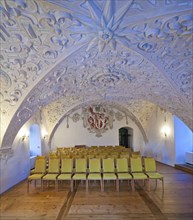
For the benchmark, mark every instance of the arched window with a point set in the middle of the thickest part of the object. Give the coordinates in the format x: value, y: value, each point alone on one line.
x: 35, y: 140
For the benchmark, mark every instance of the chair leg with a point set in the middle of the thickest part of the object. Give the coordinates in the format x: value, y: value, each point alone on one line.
x: 156, y: 184
x: 86, y: 184
x: 27, y: 186
x: 42, y: 185
x: 103, y: 185
x: 133, y: 184
x: 162, y: 185
x: 117, y: 185
x: 130, y: 183
x: 101, y: 182
x: 57, y: 184
x: 148, y: 180
x: 72, y: 185
x: 56, y: 187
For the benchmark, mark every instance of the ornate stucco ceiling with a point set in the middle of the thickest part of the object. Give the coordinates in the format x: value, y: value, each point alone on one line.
x: 57, y: 55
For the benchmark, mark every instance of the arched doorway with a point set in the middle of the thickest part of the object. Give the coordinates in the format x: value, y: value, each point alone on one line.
x: 126, y: 137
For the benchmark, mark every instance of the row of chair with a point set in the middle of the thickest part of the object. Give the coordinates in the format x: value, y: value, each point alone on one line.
x: 93, y: 169
x: 92, y: 152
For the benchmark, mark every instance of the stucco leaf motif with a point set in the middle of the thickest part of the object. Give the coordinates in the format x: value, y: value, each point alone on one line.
x: 102, y: 25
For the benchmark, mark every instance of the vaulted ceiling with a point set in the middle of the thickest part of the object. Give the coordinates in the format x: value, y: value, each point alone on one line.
x: 59, y: 55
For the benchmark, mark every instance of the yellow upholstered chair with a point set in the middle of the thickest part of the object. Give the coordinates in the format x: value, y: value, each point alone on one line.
x: 66, y: 171
x: 124, y: 155
x: 123, y: 171
x: 38, y: 172
x: 52, y: 172
x: 136, y: 154
x: 108, y: 171
x: 94, y: 171
x: 137, y: 170
x: 32, y: 171
x: 80, y: 171
x: 90, y: 156
x: 151, y: 171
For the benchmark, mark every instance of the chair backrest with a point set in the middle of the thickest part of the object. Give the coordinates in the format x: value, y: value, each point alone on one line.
x: 95, y: 165
x: 136, y: 164
x: 40, y: 165
x: 108, y: 165
x: 54, y: 165
x: 122, y: 165
x: 67, y: 165
x: 136, y: 154
x: 150, y: 164
x: 80, y: 165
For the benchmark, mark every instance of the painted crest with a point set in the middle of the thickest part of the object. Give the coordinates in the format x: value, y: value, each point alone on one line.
x: 97, y: 117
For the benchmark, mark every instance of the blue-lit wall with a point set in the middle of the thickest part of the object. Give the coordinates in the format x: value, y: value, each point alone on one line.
x: 183, y: 137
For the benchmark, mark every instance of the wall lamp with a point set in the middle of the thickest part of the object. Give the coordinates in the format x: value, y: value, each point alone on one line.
x: 44, y: 134
x: 23, y: 137
x: 165, y: 130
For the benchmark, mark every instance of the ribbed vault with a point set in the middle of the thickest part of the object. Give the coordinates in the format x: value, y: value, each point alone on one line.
x: 66, y: 53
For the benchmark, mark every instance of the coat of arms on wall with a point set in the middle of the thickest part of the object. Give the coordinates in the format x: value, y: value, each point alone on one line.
x: 97, y: 119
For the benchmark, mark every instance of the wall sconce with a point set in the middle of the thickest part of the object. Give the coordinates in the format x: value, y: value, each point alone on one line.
x: 23, y: 137
x: 23, y: 134
x: 44, y: 134
x: 165, y: 130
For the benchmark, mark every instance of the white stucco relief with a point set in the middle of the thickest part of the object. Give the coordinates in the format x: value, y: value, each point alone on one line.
x: 36, y: 36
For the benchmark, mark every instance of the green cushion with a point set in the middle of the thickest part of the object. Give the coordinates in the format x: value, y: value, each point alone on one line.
x: 154, y: 175
x: 54, y: 165
x: 64, y: 176
x: 94, y: 176
x: 124, y: 176
x: 136, y: 164
x: 40, y: 166
x: 95, y: 165
x: 50, y: 176
x: 35, y: 176
x: 150, y: 164
x: 66, y: 165
x: 108, y: 165
x: 139, y: 176
x: 81, y: 165
x: 122, y: 165
x: 79, y: 176
x: 109, y: 176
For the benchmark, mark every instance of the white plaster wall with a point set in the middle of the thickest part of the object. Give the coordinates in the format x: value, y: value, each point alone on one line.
x: 160, y: 147
x: 16, y: 168
x: 76, y: 134
x: 183, y: 140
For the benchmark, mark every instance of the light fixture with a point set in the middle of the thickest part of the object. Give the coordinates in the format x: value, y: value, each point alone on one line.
x: 165, y: 129
x: 44, y: 134
x: 23, y: 137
